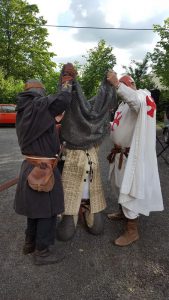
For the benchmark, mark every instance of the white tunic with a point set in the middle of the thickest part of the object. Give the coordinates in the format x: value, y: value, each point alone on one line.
x: 134, y: 126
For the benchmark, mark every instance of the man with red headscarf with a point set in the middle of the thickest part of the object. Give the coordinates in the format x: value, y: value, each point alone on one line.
x: 133, y: 163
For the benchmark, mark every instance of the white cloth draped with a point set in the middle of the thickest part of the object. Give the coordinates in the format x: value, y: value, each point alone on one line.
x: 140, y: 189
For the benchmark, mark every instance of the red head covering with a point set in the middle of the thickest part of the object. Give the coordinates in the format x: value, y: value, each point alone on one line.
x: 127, y: 80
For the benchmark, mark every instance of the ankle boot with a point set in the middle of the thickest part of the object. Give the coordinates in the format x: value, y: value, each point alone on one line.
x: 46, y: 257
x: 29, y: 246
x: 130, y: 235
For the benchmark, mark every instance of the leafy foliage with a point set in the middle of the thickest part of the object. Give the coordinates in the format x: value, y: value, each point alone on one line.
x: 139, y: 72
x: 99, y: 60
x: 160, y: 65
x: 160, y: 56
x: 9, y: 88
x: 162, y: 104
x: 24, y: 49
x: 50, y: 81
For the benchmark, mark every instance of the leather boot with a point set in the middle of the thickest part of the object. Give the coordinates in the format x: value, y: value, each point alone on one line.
x: 46, y: 257
x: 29, y: 246
x: 130, y: 235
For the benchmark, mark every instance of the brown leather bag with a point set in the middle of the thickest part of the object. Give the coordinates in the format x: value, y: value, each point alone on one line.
x: 41, y: 178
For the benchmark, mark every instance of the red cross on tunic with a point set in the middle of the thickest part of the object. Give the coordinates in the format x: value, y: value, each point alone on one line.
x: 117, y: 119
x: 150, y: 102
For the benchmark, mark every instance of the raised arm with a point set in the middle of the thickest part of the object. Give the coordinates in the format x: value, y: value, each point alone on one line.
x: 60, y: 101
x: 127, y: 93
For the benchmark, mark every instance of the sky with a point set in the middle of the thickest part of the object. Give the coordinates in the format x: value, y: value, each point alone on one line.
x: 72, y: 44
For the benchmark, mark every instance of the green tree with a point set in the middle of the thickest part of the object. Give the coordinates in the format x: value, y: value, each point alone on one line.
x: 162, y: 104
x: 160, y: 56
x: 9, y: 88
x: 139, y: 71
x: 99, y: 60
x: 23, y: 41
x: 51, y: 81
x: 160, y: 65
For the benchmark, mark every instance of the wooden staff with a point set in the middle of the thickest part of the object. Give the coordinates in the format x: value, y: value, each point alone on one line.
x: 6, y: 185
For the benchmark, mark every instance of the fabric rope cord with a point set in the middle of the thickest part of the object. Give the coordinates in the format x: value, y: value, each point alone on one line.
x: 114, y: 151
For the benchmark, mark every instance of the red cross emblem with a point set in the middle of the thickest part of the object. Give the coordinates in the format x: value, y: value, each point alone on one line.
x: 150, y: 102
x: 117, y: 119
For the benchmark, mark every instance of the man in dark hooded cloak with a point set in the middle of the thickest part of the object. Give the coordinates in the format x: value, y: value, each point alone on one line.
x: 38, y: 138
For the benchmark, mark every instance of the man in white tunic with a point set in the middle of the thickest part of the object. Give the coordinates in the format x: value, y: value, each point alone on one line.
x: 133, y: 163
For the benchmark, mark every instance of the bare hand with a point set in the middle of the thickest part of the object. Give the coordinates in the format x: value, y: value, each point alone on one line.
x: 112, y: 78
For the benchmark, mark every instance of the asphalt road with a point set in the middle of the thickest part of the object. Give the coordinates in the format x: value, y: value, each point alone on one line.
x: 94, y: 268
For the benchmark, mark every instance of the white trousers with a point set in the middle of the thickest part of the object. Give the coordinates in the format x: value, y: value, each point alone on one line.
x: 129, y: 214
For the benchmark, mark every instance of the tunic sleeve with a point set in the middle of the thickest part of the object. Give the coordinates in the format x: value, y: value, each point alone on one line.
x: 59, y: 102
x: 129, y: 96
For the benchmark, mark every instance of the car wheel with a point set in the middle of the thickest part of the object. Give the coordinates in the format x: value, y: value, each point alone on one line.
x: 166, y: 136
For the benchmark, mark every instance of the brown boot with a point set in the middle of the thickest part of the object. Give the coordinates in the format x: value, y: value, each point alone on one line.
x: 46, y: 257
x: 130, y: 235
x: 29, y: 246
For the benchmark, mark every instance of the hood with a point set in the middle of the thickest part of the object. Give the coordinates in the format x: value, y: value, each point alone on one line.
x: 24, y: 98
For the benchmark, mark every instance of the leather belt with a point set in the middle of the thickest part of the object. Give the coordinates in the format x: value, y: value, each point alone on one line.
x: 114, y: 151
x: 42, y: 161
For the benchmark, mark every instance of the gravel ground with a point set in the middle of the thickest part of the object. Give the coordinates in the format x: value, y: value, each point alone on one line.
x: 94, y: 268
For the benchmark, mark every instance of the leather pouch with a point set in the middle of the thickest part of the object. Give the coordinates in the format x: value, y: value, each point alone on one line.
x: 41, y: 178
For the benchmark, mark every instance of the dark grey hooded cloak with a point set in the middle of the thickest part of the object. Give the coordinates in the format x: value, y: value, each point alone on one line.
x: 37, y: 136
x: 86, y: 123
